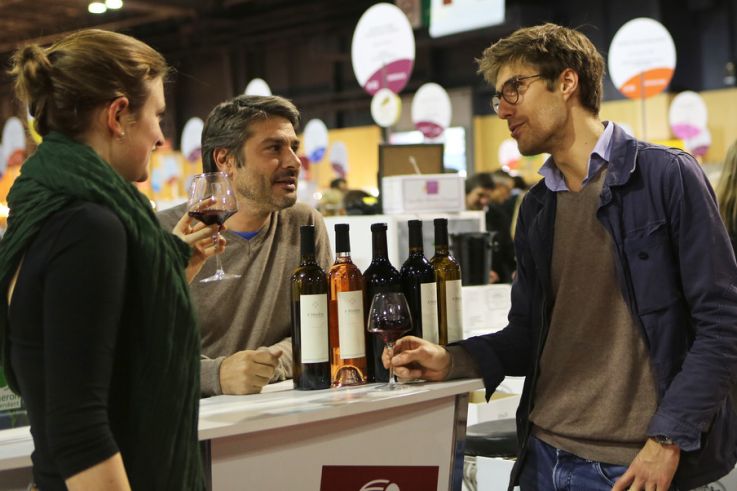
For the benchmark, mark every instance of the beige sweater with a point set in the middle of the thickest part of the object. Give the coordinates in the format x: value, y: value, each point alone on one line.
x: 254, y: 310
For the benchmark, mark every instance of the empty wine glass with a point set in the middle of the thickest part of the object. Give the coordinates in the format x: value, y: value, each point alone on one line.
x: 389, y: 317
x: 212, y: 201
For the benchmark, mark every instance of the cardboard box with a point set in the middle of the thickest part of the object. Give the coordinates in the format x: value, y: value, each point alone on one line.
x: 417, y: 193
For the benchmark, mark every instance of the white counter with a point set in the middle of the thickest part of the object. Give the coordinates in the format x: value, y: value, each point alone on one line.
x: 286, y: 439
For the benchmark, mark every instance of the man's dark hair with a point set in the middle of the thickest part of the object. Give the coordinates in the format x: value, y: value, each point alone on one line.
x: 479, y: 180
x: 227, y: 125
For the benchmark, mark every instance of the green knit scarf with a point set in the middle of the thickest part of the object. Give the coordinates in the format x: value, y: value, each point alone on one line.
x: 154, y: 391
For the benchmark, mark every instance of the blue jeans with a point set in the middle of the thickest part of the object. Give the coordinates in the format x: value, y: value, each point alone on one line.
x: 547, y: 468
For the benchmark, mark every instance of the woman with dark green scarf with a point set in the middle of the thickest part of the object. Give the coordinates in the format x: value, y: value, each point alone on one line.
x: 96, y: 326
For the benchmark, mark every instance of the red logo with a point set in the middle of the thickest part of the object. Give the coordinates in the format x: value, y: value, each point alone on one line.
x: 378, y: 478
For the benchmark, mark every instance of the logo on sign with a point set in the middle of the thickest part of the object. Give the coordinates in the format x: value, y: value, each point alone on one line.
x: 380, y: 485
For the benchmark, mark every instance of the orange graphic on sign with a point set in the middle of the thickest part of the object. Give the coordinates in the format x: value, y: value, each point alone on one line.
x: 647, y: 84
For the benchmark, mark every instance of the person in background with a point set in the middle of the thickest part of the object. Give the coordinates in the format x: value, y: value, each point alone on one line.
x: 727, y: 194
x: 246, y: 322
x: 518, y: 195
x: 499, y: 221
x: 97, y: 330
x: 479, y: 188
x: 331, y: 202
x: 624, y: 309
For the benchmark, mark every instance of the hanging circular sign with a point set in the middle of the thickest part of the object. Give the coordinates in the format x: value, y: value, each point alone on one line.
x: 687, y: 115
x: 258, y: 86
x: 431, y: 110
x: 14, y: 144
x: 191, y: 144
x: 383, y: 49
x: 386, y: 107
x: 339, y: 158
x: 642, y: 58
x: 316, y: 140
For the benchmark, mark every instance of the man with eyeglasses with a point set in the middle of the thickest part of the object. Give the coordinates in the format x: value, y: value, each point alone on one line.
x: 624, y: 309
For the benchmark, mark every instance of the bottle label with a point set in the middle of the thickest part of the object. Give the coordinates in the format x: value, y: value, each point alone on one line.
x: 313, y: 327
x: 454, y: 306
x: 350, y: 324
x: 429, y: 307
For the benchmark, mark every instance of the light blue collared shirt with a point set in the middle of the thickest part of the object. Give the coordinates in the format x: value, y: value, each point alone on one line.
x: 554, y: 179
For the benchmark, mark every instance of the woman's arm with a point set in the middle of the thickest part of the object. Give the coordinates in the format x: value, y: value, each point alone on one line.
x: 108, y: 475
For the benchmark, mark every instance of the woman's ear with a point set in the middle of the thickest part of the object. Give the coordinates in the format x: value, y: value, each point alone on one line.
x: 117, y: 112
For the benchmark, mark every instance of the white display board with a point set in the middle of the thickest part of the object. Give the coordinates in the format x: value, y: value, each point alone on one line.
x: 316, y: 140
x: 688, y: 118
x: 431, y: 110
x: 191, y: 142
x: 339, y: 158
x: 386, y: 107
x: 642, y: 58
x: 258, y: 86
x: 383, y: 49
x: 450, y: 17
x: 13, y: 144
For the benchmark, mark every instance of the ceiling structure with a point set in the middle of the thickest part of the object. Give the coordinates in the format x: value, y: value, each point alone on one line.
x: 43, y: 21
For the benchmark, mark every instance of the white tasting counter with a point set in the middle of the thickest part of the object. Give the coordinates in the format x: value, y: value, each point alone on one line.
x: 323, y: 440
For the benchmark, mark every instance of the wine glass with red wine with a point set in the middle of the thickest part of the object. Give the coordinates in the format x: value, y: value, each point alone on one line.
x: 212, y: 201
x: 389, y: 318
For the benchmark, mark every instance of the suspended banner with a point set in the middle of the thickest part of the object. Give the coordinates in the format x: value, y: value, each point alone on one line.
x: 431, y: 110
x: 453, y: 16
x: 339, y: 159
x: 316, y: 140
x: 13, y: 145
x: 191, y: 143
x: 258, y: 86
x: 642, y: 58
x: 383, y: 49
x: 386, y: 107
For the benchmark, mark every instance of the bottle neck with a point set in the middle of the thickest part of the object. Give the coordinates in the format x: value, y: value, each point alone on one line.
x: 442, y: 250
x: 378, y: 245
x: 343, y: 257
x: 308, y: 260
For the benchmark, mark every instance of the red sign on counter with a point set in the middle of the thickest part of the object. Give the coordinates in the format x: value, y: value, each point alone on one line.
x: 378, y: 478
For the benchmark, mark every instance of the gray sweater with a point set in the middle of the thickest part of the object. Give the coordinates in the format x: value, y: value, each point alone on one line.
x: 254, y: 310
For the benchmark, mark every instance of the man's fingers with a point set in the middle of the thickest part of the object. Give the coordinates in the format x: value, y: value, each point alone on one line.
x: 623, y: 482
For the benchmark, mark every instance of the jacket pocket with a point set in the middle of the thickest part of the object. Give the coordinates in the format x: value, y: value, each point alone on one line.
x: 653, y: 267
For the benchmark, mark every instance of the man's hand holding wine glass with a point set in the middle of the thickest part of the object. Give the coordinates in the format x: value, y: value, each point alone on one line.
x: 416, y: 358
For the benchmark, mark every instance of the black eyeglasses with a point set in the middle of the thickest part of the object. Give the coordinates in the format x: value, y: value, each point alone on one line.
x: 510, y: 91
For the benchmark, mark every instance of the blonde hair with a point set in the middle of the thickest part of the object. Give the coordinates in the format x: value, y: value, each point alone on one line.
x: 727, y: 190
x: 63, y: 83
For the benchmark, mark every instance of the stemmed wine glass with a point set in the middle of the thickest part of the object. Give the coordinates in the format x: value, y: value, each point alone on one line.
x: 389, y: 317
x: 212, y: 201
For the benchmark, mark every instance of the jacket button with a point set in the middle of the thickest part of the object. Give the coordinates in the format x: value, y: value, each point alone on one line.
x: 643, y: 255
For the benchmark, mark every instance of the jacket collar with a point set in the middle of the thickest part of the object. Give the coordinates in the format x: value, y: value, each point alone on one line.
x: 622, y: 163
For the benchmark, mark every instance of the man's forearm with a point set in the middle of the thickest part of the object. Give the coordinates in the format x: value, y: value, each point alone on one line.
x: 210, y: 376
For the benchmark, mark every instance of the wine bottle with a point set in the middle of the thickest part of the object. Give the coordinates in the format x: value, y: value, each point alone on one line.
x: 347, y: 339
x: 380, y: 276
x: 420, y: 288
x: 448, y: 273
x: 310, y: 360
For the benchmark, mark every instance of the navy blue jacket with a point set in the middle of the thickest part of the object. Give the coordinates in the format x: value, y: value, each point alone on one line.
x: 677, y: 273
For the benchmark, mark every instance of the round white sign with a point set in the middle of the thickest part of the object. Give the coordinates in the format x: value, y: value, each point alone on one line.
x: 258, y: 86
x: 339, y: 158
x: 191, y: 143
x: 386, y: 107
x: 316, y: 140
x: 642, y: 58
x: 687, y: 115
x: 699, y: 144
x: 431, y: 110
x: 383, y: 49
x: 14, y: 144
